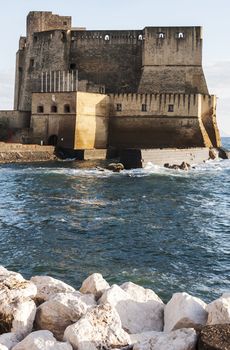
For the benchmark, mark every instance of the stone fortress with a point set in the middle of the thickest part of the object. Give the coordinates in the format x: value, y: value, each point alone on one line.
x: 87, y: 90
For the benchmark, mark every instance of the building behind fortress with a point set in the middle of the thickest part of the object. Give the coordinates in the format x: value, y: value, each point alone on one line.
x: 90, y: 89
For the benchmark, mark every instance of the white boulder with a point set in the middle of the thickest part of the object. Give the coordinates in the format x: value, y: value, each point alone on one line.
x: 99, y: 328
x: 181, y: 339
x: 48, y: 286
x: 13, y: 285
x: 184, y: 311
x: 62, y: 310
x: 17, y: 310
x: 8, y: 340
x: 139, y: 311
x: 94, y: 284
x: 219, y: 310
x: 139, y: 293
x: 41, y: 340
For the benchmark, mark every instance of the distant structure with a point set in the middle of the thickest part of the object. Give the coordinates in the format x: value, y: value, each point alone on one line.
x: 97, y: 89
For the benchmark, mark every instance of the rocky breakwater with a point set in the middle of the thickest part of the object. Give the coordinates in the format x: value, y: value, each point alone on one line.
x: 18, y: 153
x: 45, y: 313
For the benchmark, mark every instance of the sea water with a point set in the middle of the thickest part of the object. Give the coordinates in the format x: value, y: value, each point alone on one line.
x: 165, y: 229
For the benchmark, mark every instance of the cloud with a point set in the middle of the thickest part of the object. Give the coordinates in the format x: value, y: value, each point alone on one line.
x: 6, y: 89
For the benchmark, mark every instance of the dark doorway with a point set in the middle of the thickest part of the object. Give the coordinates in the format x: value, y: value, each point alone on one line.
x: 52, y: 140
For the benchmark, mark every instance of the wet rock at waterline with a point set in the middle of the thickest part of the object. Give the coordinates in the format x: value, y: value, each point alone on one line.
x: 115, y: 167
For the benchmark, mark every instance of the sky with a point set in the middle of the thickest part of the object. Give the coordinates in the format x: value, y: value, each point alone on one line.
x: 212, y: 15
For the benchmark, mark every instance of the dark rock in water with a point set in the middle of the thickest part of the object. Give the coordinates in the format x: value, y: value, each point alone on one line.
x: 115, y: 167
x: 183, y: 166
x: 214, y: 337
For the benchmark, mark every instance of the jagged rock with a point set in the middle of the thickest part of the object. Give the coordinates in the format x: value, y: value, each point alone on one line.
x: 184, y: 311
x: 8, y: 340
x: 137, y: 310
x: 48, y: 286
x: 115, y: 167
x: 183, y: 166
x: 219, y: 310
x: 181, y: 339
x: 99, y: 328
x: 62, y: 310
x: 214, y: 337
x: 17, y: 310
x: 41, y: 340
x: 94, y: 284
x: 143, y: 337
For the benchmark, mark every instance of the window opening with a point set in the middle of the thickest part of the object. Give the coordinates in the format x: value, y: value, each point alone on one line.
x: 144, y: 108
x: 107, y: 37
x: 161, y: 35
x: 66, y: 108
x: 40, y: 109
x: 53, y: 109
x: 140, y: 37
x: 119, y: 107
x: 170, y: 108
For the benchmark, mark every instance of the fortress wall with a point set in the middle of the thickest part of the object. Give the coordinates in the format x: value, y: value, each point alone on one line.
x: 157, y: 127
x: 49, y: 51
x: 92, y: 121
x: 208, y: 117
x: 58, y: 99
x: 172, y: 61
x: 115, y: 63
x: 156, y: 104
x: 179, y: 46
x: 15, y: 119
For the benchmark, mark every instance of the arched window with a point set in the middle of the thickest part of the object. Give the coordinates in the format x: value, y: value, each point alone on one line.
x: 180, y: 35
x: 107, y: 37
x: 40, y: 109
x: 161, y: 35
x: 140, y: 37
x: 66, y: 108
x: 54, y: 109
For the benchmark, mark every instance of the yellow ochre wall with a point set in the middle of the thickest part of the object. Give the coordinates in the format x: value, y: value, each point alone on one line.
x: 91, y: 130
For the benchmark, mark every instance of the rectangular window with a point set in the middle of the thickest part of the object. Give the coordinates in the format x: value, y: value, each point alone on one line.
x: 32, y: 63
x: 170, y: 108
x: 144, y: 108
x: 119, y: 107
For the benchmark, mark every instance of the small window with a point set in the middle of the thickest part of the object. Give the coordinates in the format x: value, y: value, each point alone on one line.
x: 66, y: 108
x: 161, y: 35
x: 31, y: 63
x: 40, y: 109
x: 180, y: 35
x: 54, y: 109
x: 65, y: 23
x: 35, y: 38
x: 107, y: 37
x: 170, y: 108
x: 119, y: 107
x: 144, y: 108
x: 101, y: 90
x: 72, y: 66
x: 140, y: 37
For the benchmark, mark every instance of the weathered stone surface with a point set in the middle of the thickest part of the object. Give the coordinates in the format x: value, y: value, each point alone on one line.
x: 137, y: 310
x: 181, y: 339
x: 99, y: 328
x: 41, y: 340
x: 184, y: 310
x: 219, y: 310
x: 94, y: 284
x: 62, y: 310
x: 48, y: 286
x: 17, y: 310
x: 139, y: 293
x: 8, y: 340
x: 13, y: 285
x: 214, y: 337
